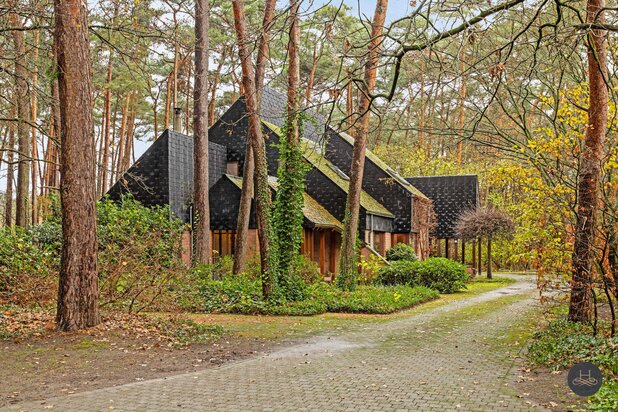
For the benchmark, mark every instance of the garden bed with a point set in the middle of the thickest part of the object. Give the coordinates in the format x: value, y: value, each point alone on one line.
x: 241, y: 295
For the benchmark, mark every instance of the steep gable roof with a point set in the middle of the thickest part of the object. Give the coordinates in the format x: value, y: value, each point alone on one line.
x: 163, y: 175
x: 312, y: 210
x: 451, y: 195
x: 311, y: 154
x: 273, y: 111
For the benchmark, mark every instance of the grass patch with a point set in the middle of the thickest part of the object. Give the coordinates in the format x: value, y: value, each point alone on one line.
x: 86, y: 343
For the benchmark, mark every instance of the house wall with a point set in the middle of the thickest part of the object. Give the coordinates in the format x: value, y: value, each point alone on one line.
x: 224, y: 204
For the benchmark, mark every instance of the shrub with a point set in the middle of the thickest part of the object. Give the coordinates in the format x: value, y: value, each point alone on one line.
x: 232, y: 294
x: 444, y: 275
x: 399, y: 272
x: 401, y: 251
x: 307, y: 269
x: 239, y: 294
x: 139, y: 254
x: 370, y: 267
x: 28, y: 269
x: 564, y: 343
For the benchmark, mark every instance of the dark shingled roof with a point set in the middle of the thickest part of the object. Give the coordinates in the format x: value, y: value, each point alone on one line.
x: 451, y: 195
x: 274, y: 110
x: 163, y: 175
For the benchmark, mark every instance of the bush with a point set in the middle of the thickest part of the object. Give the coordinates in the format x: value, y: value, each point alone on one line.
x: 401, y: 251
x: 564, y: 343
x: 139, y: 255
x: 232, y: 294
x: 374, y: 299
x: 444, y: 275
x: 399, y: 272
x: 28, y: 269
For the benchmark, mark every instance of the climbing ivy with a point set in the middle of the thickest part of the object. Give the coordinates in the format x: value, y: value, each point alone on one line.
x: 348, y: 279
x: 287, y: 217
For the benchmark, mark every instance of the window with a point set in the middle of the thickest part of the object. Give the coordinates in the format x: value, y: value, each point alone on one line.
x: 231, y: 168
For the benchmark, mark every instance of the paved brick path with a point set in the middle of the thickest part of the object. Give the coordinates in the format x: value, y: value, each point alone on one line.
x: 430, y: 361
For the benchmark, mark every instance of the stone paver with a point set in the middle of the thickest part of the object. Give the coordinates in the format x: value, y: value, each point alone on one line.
x: 433, y: 361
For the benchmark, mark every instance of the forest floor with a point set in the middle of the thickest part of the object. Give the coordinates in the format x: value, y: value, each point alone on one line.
x: 53, y: 365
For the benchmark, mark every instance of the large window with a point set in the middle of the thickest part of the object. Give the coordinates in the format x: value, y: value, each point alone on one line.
x: 223, y: 242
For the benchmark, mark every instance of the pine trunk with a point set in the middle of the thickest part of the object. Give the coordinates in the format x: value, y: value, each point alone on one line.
x: 213, y: 89
x: 78, y: 288
x: 347, y: 267
x: 23, y: 131
x: 580, y: 307
x: 203, y: 248
x: 33, y: 116
x: 10, y: 176
x: 247, y: 192
x: 262, y: 190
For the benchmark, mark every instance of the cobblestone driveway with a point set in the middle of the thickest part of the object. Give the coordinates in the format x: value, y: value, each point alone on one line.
x: 441, y: 359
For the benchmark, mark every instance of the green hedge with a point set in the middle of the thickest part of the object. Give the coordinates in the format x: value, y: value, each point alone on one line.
x: 444, y: 275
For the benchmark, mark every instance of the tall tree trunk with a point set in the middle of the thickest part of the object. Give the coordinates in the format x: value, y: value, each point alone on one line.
x: 480, y: 255
x: 10, y: 176
x: 168, y: 101
x: 33, y: 117
x: 421, y: 109
x: 347, y: 267
x: 289, y: 200
x: 55, y: 112
x: 314, y: 65
x: 462, y: 100
x: 489, y: 270
x: 24, y: 116
x: 244, y: 211
x: 203, y: 247
x: 107, y: 115
x: 580, y: 307
x: 349, y: 104
x: 262, y: 190
x: 122, y: 137
x: 78, y: 288
x: 213, y: 88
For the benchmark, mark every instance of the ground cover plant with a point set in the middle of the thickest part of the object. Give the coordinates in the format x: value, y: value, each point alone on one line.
x: 561, y: 344
x: 239, y: 294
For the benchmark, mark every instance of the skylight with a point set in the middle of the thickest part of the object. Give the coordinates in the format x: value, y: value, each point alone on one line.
x: 338, y: 171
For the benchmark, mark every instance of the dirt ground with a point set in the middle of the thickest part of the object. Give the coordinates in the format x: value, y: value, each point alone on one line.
x: 55, y: 364
x: 548, y: 388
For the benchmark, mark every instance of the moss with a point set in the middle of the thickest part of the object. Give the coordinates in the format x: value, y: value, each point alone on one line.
x: 86, y: 343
